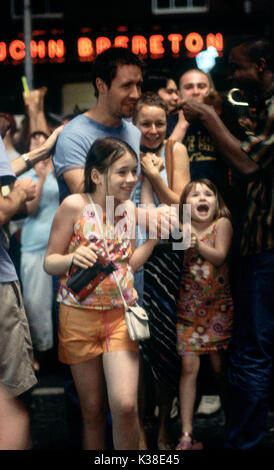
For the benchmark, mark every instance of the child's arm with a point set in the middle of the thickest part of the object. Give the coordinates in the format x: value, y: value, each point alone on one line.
x: 141, y: 254
x: 57, y: 260
x: 180, y: 129
x: 216, y: 254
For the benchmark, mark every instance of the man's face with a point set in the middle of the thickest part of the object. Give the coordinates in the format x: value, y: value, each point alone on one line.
x: 124, y: 91
x: 194, y: 85
x: 170, y: 95
x: 243, y: 72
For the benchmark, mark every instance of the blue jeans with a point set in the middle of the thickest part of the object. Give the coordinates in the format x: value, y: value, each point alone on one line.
x: 251, y: 352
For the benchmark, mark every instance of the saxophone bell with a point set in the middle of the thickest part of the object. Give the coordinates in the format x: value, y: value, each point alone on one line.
x: 232, y: 100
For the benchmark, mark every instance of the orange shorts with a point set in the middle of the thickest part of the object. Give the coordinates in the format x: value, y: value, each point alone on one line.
x: 86, y: 333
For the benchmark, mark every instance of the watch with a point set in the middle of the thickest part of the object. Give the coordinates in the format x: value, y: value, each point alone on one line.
x: 27, y: 161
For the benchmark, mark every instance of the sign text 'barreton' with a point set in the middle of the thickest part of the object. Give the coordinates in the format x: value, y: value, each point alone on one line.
x: 153, y: 46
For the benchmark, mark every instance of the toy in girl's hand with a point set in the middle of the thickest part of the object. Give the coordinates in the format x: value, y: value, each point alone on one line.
x: 83, y: 281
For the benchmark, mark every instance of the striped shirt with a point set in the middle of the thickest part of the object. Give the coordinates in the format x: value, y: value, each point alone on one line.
x: 257, y: 234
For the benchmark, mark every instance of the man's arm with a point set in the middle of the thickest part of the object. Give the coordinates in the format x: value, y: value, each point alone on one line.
x: 20, y: 165
x: 229, y: 146
x: 75, y: 180
x: 21, y: 191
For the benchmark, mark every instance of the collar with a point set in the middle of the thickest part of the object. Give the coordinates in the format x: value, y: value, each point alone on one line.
x: 144, y: 149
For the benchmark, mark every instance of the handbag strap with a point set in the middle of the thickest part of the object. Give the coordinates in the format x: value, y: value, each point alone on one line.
x: 106, y: 247
x: 169, y: 157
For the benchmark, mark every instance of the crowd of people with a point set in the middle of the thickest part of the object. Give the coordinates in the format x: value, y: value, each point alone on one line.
x: 150, y: 147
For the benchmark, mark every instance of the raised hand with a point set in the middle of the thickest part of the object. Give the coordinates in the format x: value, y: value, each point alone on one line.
x: 26, y: 185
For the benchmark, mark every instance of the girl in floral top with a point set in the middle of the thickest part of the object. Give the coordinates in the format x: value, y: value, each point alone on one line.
x: 205, y: 304
x: 93, y: 336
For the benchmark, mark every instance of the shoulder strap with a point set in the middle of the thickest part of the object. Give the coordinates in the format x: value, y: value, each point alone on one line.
x: 169, y: 161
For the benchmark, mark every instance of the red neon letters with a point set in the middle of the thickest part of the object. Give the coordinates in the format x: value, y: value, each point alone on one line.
x: 155, y: 45
x: 16, y: 50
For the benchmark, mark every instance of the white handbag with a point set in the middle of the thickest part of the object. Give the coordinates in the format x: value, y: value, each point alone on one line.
x: 137, y: 323
x: 135, y: 316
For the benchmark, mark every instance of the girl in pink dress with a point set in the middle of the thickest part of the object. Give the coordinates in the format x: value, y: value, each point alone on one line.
x: 205, y: 304
x: 93, y: 335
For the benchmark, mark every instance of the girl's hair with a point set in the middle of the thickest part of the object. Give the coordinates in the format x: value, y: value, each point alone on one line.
x: 148, y: 99
x: 101, y: 155
x: 221, y: 209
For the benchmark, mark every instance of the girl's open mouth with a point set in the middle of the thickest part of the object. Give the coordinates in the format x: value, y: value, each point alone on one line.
x: 203, y: 208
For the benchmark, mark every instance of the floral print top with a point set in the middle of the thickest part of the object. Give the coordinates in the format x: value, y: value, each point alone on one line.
x: 106, y: 295
x: 205, y: 307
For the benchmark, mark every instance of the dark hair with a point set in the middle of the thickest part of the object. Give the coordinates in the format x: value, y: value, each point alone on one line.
x: 260, y: 48
x: 101, y: 155
x: 148, y: 99
x: 105, y: 64
x: 221, y: 209
x: 154, y: 81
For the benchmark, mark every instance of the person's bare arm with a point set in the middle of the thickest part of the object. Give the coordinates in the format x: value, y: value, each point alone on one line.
x: 181, y: 168
x: 229, y: 146
x: 75, y: 180
x: 158, y: 221
x: 142, y: 253
x: 42, y: 170
x: 216, y: 254
x: 35, y: 110
x: 19, y: 165
x: 147, y: 192
x: 180, y: 129
x: 57, y: 259
x: 14, y: 202
x: 181, y: 176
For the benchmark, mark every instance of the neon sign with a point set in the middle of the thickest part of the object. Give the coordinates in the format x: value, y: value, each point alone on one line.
x: 16, y: 50
x: 154, y: 46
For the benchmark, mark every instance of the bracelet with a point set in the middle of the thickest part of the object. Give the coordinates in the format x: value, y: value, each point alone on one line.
x: 27, y: 161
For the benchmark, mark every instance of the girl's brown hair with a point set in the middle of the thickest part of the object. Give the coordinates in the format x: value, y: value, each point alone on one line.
x: 148, y: 98
x: 101, y: 155
x: 221, y: 209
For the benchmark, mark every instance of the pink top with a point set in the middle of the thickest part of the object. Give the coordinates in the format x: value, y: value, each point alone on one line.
x: 106, y: 295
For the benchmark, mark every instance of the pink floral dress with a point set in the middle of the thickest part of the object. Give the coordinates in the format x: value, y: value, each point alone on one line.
x: 205, y: 307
